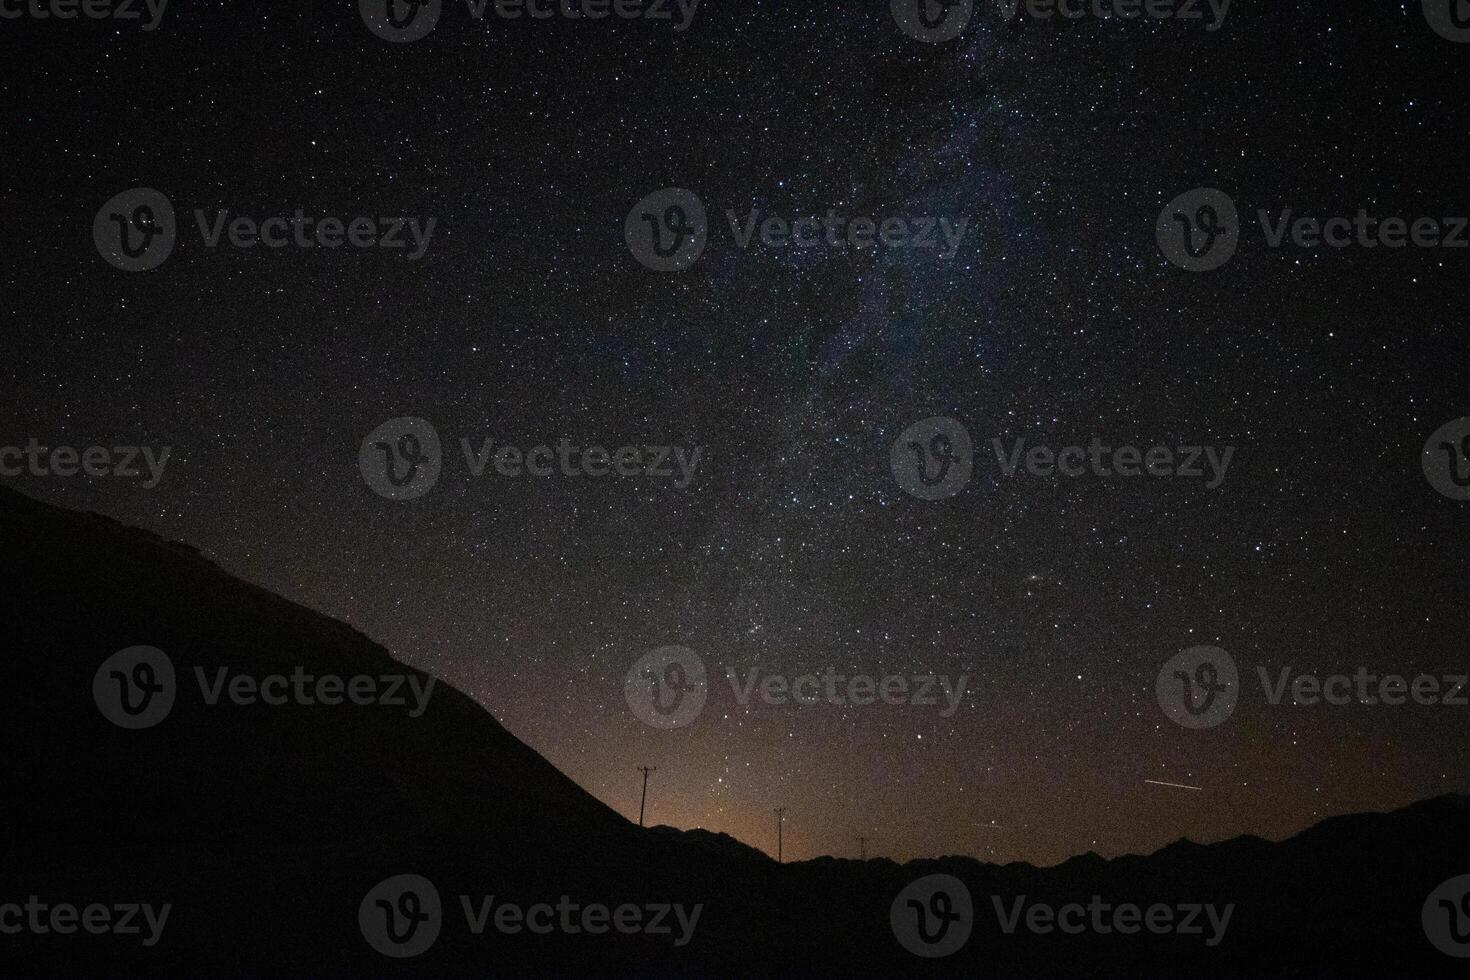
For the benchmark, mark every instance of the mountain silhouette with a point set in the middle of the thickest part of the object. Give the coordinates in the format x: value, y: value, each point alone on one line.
x: 266, y: 827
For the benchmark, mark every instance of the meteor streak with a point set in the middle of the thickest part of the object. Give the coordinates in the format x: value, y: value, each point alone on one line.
x: 1174, y: 785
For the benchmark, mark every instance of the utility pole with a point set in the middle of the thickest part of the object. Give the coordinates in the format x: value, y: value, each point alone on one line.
x: 780, y: 819
x: 645, y: 770
x: 863, y: 848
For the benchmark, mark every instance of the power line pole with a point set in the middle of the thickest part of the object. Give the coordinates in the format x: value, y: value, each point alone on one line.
x: 645, y: 770
x: 780, y: 819
x: 863, y: 848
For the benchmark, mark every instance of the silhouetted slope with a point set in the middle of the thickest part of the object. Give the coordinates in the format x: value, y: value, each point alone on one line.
x: 716, y: 846
x: 287, y: 799
x: 110, y: 587
x: 265, y: 826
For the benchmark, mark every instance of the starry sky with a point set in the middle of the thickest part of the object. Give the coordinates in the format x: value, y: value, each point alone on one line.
x: 1057, y: 321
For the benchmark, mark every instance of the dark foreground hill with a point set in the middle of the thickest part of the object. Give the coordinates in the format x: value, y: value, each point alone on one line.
x: 267, y: 829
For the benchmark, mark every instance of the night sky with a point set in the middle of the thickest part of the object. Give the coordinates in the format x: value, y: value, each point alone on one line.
x: 1058, y: 320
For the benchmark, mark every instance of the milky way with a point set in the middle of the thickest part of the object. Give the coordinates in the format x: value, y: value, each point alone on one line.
x: 794, y: 550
